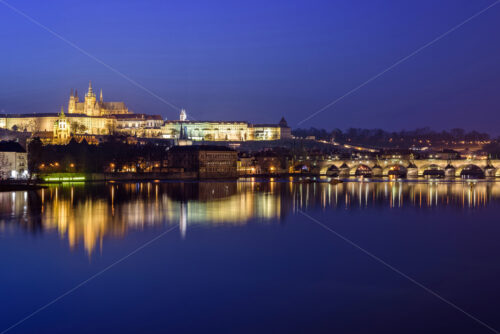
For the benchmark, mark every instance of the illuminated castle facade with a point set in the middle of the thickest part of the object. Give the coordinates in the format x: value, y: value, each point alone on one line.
x: 94, y: 117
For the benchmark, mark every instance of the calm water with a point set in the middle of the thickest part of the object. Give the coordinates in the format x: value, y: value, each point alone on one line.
x: 243, y: 257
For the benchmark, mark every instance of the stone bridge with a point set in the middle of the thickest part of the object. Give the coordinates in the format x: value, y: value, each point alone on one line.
x: 401, y: 167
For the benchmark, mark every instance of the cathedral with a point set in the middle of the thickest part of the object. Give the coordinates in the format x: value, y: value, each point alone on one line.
x: 91, y: 107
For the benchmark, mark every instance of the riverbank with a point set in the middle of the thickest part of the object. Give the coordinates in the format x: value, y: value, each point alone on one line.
x: 17, y: 186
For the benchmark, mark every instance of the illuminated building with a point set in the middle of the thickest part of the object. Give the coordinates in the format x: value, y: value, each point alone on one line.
x: 13, y: 160
x: 224, y: 130
x: 61, y: 133
x: 95, y: 117
x: 91, y: 107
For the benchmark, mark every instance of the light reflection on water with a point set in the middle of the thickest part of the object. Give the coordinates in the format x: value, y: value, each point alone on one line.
x: 88, y: 213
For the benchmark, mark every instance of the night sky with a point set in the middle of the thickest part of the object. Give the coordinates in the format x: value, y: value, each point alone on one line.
x: 260, y: 60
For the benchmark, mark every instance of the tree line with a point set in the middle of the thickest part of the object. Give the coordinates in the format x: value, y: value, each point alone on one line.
x: 396, y: 139
x: 86, y: 158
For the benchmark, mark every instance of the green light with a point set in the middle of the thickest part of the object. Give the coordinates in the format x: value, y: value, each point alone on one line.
x: 65, y: 179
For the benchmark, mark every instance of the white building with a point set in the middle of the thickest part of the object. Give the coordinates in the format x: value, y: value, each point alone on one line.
x: 223, y: 130
x: 13, y: 160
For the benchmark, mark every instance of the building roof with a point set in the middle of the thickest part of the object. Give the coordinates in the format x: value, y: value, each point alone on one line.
x: 43, y: 134
x: 266, y: 126
x: 113, y: 105
x: 138, y: 117
x: 11, y: 146
x: 213, y: 122
x: 195, y: 148
x: 48, y: 114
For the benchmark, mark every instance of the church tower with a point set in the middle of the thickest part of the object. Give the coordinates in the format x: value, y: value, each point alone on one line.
x: 61, y: 134
x: 90, y: 103
x: 71, y: 103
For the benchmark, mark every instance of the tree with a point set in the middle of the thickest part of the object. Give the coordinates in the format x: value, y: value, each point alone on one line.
x: 34, y: 156
x: 15, y: 128
x: 111, y: 127
x: 82, y: 128
x: 74, y: 126
x: 4, y: 166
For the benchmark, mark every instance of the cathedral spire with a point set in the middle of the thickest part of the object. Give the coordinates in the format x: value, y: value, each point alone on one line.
x: 100, y: 97
x: 90, y: 92
x: 62, y: 112
x: 71, y: 93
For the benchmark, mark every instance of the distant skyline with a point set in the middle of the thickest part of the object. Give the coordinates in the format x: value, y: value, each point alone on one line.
x: 261, y: 60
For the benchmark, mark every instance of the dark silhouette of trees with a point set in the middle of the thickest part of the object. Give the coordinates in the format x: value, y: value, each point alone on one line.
x: 381, y: 138
x: 85, y: 158
x: 34, y: 156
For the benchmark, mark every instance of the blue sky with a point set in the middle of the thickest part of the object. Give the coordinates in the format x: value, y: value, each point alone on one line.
x: 260, y: 60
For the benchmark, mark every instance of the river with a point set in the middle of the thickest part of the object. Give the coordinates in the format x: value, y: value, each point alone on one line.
x: 252, y: 256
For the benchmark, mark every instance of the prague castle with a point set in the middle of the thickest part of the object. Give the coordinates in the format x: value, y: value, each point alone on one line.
x: 92, y: 117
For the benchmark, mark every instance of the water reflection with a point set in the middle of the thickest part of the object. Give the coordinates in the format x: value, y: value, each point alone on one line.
x: 88, y: 213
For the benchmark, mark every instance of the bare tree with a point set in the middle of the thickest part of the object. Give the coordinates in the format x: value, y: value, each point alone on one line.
x: 74, y: 127
x: 4, y: 166
x: 82, y: 128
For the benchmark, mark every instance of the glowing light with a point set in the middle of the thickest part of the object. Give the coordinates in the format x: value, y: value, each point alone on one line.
x: 64, y: 179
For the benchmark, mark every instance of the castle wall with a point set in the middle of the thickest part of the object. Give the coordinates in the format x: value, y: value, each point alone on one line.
x: 30, y: 124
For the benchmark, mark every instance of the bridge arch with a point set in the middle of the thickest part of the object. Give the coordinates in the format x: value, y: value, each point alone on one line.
x: 361, y: 170
x: 470, y: 171
x: 433, y: 170
x: 395, y: 169
x: 332, y: 170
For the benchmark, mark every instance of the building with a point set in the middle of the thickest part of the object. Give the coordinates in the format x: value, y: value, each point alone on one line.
x: 61, y: 133
x: 269, y: 162
x: 224, y: 130
x: 13, y: 160
x: 207, y: 161
x: 91, y: 107
x: 90, y: 117
x: 95, y: 117
x: 246, y: 165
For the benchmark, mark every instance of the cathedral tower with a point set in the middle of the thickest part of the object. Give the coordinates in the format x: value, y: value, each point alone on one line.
x: 71, y: 103
x: 90, y: 103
